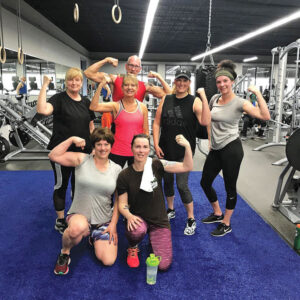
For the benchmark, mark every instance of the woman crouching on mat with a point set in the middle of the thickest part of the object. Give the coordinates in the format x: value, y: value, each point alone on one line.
x: 141, y: 199
x: 90, y: 212
x: 226, y: 151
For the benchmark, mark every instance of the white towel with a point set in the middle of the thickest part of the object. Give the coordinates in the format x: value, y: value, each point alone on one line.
x: 147, y: 179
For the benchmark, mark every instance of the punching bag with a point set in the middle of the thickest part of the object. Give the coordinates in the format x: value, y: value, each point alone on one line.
x: 205, y: 78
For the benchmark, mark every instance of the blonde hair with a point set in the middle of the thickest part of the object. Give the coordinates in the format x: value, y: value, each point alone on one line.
x: 72, y: 73
x: 174, y: 89
x: 130, y: 78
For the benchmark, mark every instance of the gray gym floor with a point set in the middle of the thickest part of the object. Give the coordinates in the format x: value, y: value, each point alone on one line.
x: 256, y: 184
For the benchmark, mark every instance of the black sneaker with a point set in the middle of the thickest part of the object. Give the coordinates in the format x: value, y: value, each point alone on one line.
x: 221, y: 230
x: 190, y: 227
x: 171, y: 213
x: 212, y: 218
x: 243, y: 137
x: 61, y: 225
x: 62, y: 264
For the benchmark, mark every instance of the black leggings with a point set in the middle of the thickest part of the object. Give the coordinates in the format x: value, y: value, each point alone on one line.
x: 121, y: 160
x: 61, y: 177
x: 229, y: 161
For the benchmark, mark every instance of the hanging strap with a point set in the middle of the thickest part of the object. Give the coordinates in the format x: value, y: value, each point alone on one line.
x: 2, y: 49
x: 19, y: 27
x: 208, y: 44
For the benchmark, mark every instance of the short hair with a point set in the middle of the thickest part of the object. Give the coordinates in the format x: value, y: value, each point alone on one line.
x: 140, y: 135
x: 72, y: 73
x: 130, y: 78
x: 134, y: 57
x: 102, y: 134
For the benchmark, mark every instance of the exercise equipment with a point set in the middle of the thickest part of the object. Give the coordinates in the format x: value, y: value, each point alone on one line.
x: 20, y: 118
x: 113, y: 12
x: 24, y: 137
x: 287, y: 199
x: 4, y: 147
x: 279, y: 100
x: 19, y: 28
x: 76, y: 13
x: 2, y: 49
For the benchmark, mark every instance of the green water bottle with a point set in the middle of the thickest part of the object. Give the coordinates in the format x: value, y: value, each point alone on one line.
x: 152, y: 264
x: 297, y: 239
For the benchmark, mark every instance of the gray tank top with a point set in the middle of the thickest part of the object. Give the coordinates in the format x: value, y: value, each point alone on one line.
x: 225, y: 121
x: 93, y: 190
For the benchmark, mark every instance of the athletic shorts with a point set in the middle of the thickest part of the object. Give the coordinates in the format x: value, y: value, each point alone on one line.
x: 97, y: 232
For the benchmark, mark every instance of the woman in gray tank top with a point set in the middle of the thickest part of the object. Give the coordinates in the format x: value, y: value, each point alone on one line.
x: 226, y: 152
x: 91, y: 212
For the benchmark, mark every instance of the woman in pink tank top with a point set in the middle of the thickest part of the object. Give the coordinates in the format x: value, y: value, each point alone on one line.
x: 130, y: 117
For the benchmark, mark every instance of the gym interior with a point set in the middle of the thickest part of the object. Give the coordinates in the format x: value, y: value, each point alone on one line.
x: 48, y: 37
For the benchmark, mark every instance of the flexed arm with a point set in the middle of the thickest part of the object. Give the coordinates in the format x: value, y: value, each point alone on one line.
x: 102, y: 107
x: 43, y: 107
x: 60, y: 154
x: 92, y: 72
x: 157, y: 91
x: 261, y: 111
x: 201, y: 108
x: 187, y: 164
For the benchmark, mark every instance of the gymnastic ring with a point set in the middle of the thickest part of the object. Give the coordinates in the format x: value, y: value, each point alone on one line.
x: 76, y: 13
x: 113, y: 14
x: 20, y: 56
x: 2, y: 55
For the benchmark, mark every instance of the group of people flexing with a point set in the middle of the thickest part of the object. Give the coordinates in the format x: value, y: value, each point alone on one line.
x: 94, y: 158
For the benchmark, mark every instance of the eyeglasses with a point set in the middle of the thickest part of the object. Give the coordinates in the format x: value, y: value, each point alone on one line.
x: 133, y: 66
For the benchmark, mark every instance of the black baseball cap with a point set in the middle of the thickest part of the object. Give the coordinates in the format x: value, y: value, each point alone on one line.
x: 183, y: 73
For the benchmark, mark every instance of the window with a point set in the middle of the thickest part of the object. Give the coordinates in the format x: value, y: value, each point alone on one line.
x: 9, y: 76
x: 144, y: 72
x: 259, y: 76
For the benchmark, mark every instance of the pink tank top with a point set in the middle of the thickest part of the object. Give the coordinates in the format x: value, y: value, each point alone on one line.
x: 118, y: 93
x: 128, y: 124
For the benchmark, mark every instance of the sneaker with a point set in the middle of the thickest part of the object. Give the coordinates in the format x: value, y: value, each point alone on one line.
x: 212, y: 218
x: 190, y: 227
x: 132, y: 257
x: 221, y: 230
x: 61, y: 225
x: 171, y: 213
x: 62, y: 264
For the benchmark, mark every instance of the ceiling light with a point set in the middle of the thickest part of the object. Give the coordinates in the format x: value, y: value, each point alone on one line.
x: 250, y: 59
x: 250, y: 35
x: 148, y: 24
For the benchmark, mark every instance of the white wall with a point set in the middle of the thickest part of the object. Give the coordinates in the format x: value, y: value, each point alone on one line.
x: 37, y: 43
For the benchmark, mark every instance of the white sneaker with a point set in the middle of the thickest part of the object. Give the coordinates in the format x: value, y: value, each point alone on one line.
x: 190, y: 227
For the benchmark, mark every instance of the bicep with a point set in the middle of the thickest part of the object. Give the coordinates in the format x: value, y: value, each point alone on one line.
x: 70, y: 159
x: 156, y: 91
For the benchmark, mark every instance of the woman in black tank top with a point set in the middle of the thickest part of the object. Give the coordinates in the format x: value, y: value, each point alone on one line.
x: 179, y: 114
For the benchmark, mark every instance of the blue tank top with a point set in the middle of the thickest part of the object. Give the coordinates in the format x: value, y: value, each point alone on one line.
x: 23, y: 89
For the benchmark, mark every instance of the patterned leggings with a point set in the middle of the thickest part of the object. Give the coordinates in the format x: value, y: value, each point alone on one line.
x: 160, y: 239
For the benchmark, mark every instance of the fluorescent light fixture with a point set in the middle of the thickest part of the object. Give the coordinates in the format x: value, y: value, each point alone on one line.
x: 250, y: 35
x: 148, y: 24
x: 250, y: 59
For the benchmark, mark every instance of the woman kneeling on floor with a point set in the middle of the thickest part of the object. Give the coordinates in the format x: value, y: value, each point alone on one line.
x: 91, y: 212
x: 141, y: 199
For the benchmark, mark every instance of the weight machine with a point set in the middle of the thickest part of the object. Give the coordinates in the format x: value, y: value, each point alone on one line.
x: 287, y: 199
x: 278, y: 98
x: 19, y: 118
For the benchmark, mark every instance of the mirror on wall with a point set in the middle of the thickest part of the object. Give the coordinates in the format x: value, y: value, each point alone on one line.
x: 33, y: 69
